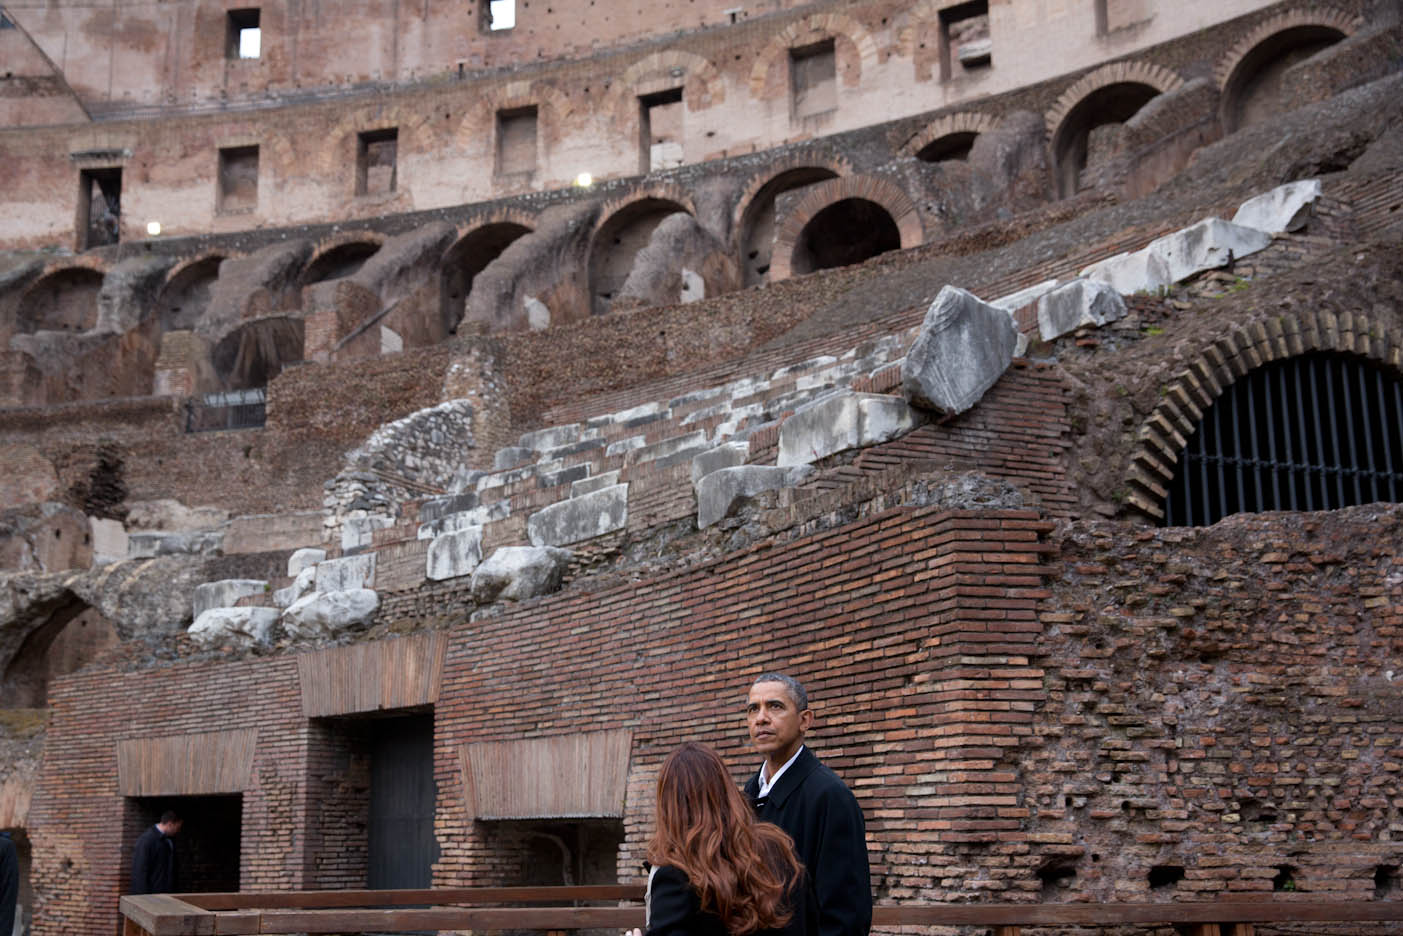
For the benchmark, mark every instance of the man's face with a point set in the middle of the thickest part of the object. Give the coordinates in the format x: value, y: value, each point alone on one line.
x: 777, y: 726
x: 170, y: 828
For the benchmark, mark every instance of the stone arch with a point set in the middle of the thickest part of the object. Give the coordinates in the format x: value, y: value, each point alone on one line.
x: 866, y: 193
x: 853, y: 48
x: 623, y: 229
x: 1284, y: 38
x: 1189, y: 394
x: 63, y: 298
x: 753, y: 225
x: 1110, y: 94
x: 340, y: 256
x: 252, y: 354
x: 948, y: 128
x: 186, y: 293
x: 66, y: 634
x: 477, y: 246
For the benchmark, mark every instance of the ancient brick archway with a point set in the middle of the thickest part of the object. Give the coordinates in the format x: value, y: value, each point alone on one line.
x: 1110, y: 94
x: 63, y: 299
x: 185, y: 296
x: 1188, y: 396
x: 623, y: 230
x: 470, y: 254
x: 754, y: 224
x: 1252, y: 67
x: 948, y: 134
x: 341, y: 256
x: 794, y: 240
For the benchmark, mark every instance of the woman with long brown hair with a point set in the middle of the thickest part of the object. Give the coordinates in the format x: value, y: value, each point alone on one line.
x: 717, y: 870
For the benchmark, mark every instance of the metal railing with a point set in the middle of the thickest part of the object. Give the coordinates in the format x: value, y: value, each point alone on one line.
x: 236, y: 409
x: 403, y: 911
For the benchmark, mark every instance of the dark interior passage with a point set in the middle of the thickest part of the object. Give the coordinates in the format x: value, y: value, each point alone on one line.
x: 208, y: 847
x: 846, y: 232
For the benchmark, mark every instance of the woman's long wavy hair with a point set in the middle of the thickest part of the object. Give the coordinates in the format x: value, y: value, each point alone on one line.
x: 741, y: 868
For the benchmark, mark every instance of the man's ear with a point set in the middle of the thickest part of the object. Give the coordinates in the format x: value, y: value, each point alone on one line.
x: 806, y: 719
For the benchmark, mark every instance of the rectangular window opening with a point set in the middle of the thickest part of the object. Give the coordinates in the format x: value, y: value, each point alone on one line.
x: 813, y: 79
x: 501, y: 15
x: 207, y: 847
x: 516, y: 141
x: 238, y: 179
x: 245, y: 39
x: 660, y: 130
x: 965, y: 39
x: 99, y: 207
x: 554, y: 852
x: 376, y: 152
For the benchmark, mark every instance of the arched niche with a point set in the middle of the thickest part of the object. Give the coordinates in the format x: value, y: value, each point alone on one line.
x: 846, y: 232
x: 255, y: 352
x: 1253, y: 92
x: 64, y: 300
x: 1072, y: 141
x: 468, y: 257
x: 70, y: 636
x: 757, y: 231
x: 340, y: 261
x: 616, y: 243
x: 185, y: 297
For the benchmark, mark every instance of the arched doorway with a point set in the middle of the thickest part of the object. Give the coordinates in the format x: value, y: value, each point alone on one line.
x: 846, y: 232
x: 255, y: 352
x: 758, y: 220
x: 338, y: 262
x: 1254, y: 92
x: 466, y: 259
x: 617, y: 242
x: 1088, y: 132
x: 64, y: 300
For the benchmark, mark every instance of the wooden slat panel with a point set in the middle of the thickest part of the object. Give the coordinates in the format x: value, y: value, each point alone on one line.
x: 387, y: 674
x: 392, y: 898
x: 556, y: 777
x: 183, y: 765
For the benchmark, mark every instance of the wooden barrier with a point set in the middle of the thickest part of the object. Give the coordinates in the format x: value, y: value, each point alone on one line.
x: 401, y: 911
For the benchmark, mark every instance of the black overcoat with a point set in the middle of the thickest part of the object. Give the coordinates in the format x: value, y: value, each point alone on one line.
x: 674, y: 909
x: 153, y: 863
x: 9, y: 884
x: 819, y: 812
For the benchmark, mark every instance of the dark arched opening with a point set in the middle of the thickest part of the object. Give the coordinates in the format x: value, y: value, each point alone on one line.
x: 758, y: 222
x: 65, y: 300
x: 1315, y: 432
x: 185, y: 298
x: 255, y: 352
x: 617, y: 242
x: 950, y: 146
x: 1254, y: 93
x: 72, y: 635
x: 466, y: 259
x: 1074, y: 144
x: 846, y: 232
x: 339, y: 262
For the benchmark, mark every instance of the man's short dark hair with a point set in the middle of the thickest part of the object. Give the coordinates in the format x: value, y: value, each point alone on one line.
x: 796, y: 691
x: 169, y: 815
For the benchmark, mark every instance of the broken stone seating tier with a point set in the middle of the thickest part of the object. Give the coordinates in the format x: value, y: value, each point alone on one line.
x: 563, y: 486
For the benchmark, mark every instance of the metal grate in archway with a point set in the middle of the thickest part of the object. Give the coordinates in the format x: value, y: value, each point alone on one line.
x: 1314, y: 432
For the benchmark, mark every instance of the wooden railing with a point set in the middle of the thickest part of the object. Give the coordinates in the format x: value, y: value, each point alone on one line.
x: 403, y: 911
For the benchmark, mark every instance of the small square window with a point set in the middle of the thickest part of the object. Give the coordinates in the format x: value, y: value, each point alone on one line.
x: 375, y: 161
x: 516, y: 141
x: 813, y: 79
x: 245, y: 39
x: 99, y: 207
x: 501, y: 14
x: 238, y: 179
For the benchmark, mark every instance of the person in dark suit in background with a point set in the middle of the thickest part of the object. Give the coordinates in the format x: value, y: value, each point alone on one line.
x: 796, y: 792
x: 153, y: 857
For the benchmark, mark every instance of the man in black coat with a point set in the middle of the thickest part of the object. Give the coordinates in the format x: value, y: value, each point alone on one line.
x: 153, y: 857
x: 804, y: 798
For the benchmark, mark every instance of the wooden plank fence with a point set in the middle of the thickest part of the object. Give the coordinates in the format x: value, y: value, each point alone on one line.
x: 486, y: 908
